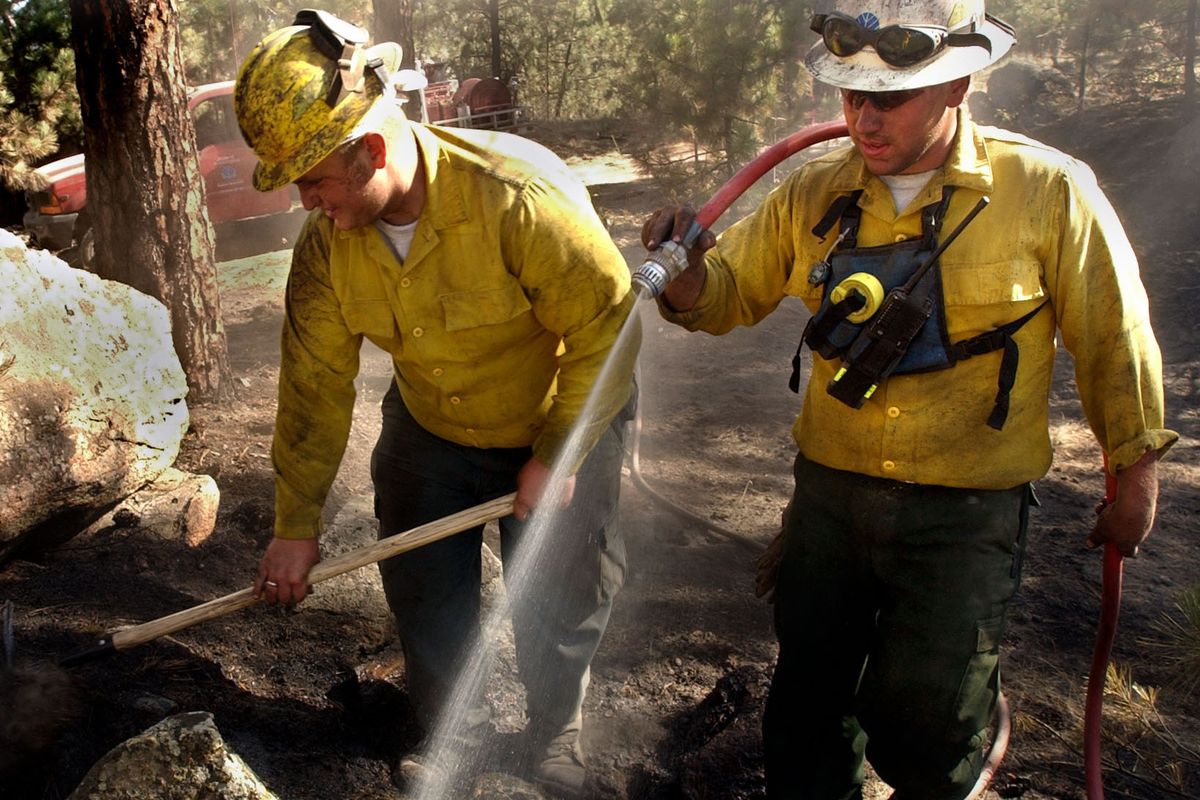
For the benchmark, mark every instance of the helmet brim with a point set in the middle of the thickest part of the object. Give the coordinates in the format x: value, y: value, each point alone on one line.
x: 865, y: 71
x: 409, y: 80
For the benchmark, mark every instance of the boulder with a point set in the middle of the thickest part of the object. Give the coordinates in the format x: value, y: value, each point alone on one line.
x: 91, y: 395
x: 358, y: 592
x: 176, y: 506
x: 183, y: 757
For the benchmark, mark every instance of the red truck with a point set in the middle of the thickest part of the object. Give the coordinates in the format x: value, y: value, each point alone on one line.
x: 246, y: 221
x: 57, y: 216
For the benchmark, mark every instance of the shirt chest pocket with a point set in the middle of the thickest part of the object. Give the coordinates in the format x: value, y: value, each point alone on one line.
x: 997, y: 282
x: 371, y: 318
x: 484, y: 307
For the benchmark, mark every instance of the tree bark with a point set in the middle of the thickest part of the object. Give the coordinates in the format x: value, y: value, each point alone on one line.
x: 1083, y: 60
x: 493, y: 14
x: 393, y: 22
x: 563, y: 80
x: 145, y: 192
x: 1189, y: 59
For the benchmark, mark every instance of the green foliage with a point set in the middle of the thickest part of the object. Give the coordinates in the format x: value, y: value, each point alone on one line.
x: 1115, y: 50
x: 38, y: 104
x: 217, y: 34
x: 1178, y: 639
x: 23, y: 141
x: 713, y: 67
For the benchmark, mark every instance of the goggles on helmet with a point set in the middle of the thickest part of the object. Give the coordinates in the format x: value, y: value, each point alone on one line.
x: 897, y: 45
x: 345, y: 45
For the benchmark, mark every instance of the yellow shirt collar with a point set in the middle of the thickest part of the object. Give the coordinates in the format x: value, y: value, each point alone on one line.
x: 967, y: 166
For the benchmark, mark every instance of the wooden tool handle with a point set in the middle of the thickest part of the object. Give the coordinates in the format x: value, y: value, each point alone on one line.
x: 322, y: 571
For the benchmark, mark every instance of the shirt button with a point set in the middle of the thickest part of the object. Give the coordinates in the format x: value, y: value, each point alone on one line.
x: 437, y: 372
x: 405, y: 282
x: 900, y: 237
x: 893, y: 412
x: 455, y: 401
x: 418, y: 332
x: 889, y: 465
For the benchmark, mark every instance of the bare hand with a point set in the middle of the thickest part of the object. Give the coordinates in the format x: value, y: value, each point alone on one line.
x: 1126, y: 522
x: 672, y: 223
x: 533, y: 485
x: 283, y: 570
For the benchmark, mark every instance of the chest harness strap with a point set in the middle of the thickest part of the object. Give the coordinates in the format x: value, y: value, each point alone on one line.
x: 1000, y: 338
x: 818, y: 332
x: 865, y: 362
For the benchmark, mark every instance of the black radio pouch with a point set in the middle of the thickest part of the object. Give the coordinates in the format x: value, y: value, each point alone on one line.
x: 879, y: 347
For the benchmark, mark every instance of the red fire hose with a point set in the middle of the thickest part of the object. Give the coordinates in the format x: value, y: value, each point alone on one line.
x: 762, y: 163
x: 705, y: 217
x: 1110, y: 606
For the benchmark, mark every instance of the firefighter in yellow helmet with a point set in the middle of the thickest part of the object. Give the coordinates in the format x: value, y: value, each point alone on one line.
x: 918, y: 442
x: 477, y: 262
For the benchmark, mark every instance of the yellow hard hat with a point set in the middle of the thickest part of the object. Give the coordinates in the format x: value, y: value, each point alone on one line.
x: 302, y: 90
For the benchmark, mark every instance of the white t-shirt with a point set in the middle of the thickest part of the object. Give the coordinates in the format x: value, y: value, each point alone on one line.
x: 400, y: 236
x: 906, y: 187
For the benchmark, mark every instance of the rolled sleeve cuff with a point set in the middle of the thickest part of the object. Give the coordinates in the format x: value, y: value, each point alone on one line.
x: 691, y: 318
x: 294, y: 517
x: 1130, y: 452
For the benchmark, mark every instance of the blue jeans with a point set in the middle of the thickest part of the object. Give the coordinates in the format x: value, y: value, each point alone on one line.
x: 889, y: 609
x: 434, y: 591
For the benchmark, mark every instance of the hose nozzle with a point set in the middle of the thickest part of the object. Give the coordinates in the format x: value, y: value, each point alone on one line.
x: 660, y: 268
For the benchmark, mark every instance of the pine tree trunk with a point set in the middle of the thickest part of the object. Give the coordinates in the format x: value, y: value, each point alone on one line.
x: 393, y: 22
x: 1189, y: 58
x: 493, y: 14
x: 145, y: 192
x: 1083, y: 62
x: 564, y: 79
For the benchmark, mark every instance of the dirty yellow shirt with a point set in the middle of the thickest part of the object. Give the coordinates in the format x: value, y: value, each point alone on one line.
x: 1048, y: 234
x: 498, y: 320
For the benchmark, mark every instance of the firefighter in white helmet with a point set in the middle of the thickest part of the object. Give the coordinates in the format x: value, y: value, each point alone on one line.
x: 476, y: 261
x: 924, y: 422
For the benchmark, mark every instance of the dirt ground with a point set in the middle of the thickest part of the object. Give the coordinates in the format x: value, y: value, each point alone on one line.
x: 313, y: 699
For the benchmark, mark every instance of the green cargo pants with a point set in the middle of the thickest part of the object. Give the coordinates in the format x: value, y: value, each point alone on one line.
x: 889, y: 609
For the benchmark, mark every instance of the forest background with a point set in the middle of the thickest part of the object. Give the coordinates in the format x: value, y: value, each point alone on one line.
x: 106, y: 78
x: 724, y: 79
x: 724, y: 73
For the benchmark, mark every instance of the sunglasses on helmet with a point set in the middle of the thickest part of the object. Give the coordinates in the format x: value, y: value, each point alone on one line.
x: 898, y: 45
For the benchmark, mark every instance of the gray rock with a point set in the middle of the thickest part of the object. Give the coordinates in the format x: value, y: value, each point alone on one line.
x: 359, y: 592
x: 175, y: 506
x: 183, y: 757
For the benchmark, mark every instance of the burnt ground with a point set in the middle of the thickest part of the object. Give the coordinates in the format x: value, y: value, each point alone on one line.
x: 313, y: 699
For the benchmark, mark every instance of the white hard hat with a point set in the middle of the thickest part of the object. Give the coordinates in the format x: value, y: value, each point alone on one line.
x: 923, y: 43
x: 409, y: 80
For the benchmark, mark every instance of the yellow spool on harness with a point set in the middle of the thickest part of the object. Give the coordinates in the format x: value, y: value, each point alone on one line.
x: 865, y: 284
